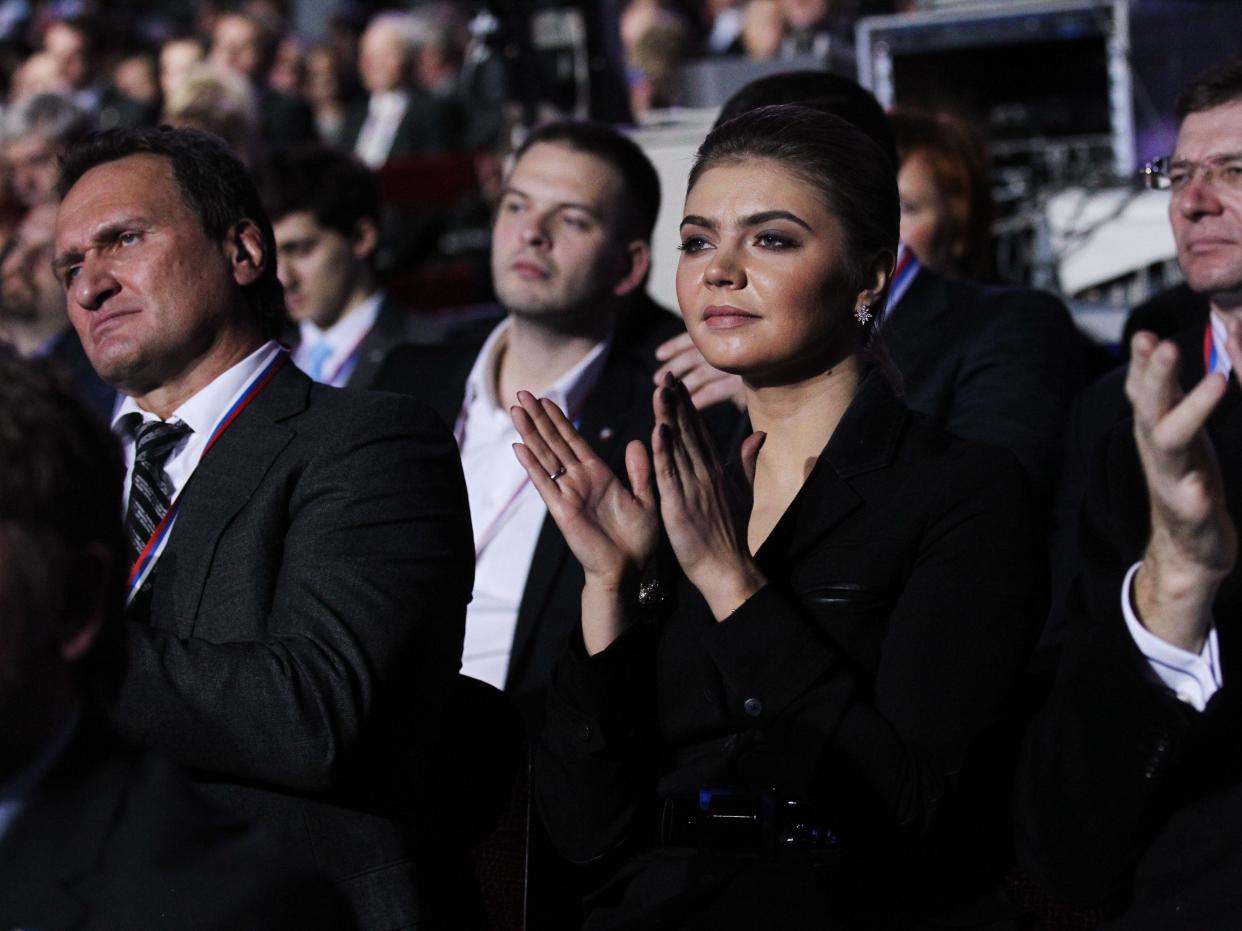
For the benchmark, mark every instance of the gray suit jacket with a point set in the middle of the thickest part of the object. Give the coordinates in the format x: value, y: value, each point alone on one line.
x: 295, y: 641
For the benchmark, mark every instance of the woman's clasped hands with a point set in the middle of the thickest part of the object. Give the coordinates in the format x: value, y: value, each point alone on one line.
x: 612, y: 530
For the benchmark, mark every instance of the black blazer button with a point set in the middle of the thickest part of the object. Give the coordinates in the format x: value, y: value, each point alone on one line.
x: 584, y: 732
x: 753, y: 707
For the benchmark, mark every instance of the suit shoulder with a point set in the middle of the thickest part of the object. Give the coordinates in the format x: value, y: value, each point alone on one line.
x: 348, y: 413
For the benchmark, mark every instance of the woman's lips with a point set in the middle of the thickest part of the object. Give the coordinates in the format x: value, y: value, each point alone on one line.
x: 726, y: 317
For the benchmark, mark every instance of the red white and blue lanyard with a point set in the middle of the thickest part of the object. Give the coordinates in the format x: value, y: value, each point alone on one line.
x: 903, y: 276
x: 1214, y: 359
x: 145, y: 563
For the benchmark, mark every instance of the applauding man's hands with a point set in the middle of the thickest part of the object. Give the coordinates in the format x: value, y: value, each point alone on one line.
x: 1193, y: 543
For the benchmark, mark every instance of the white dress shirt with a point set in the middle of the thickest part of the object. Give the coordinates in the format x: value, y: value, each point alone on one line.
x: 505, y: 509
x: 201, y: 413
x: 343, y: 339
x: 379, y: 130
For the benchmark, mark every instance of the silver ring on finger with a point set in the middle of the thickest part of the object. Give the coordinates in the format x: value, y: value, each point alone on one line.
x: 560, y: 470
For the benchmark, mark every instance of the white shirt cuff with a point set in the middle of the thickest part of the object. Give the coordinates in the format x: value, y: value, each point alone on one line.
x: 1194, y: 677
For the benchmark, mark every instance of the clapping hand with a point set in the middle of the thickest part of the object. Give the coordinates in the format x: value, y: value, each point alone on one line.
x: 611, y: 529
x: 707, y: 535
x: 1193, y: 543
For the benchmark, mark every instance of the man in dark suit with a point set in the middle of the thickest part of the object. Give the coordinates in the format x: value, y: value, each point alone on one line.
x: 397, y: 118
x: 32, y: 308
x: 570, y: 254
x: 325, y: 208
x: 1131, y: 796
x: 301, y: 554
x: 94, y: 834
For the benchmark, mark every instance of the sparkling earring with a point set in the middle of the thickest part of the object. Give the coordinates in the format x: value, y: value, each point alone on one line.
x: 863, y: 314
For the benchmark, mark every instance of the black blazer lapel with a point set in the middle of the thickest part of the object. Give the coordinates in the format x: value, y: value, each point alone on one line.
x: 221, y: 485
x: 873, y: 424
x: 386, y: 333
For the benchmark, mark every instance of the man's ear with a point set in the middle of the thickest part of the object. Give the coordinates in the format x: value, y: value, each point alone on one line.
x: 87, y: 606
x: 247, y: 255
x: 636, y: 264
x: 365, y: 240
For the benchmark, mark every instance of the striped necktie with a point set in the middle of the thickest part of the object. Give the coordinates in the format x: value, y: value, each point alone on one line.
x: 149, y: 486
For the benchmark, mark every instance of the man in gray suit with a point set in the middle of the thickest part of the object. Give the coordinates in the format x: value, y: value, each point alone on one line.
x: 302, y: 556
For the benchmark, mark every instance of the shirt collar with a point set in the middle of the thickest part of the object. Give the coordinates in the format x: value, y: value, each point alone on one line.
x: 204, y: 410
x: 348, y: 330
x: 567, y: 392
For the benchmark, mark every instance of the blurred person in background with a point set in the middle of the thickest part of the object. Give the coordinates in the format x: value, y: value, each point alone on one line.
x: 654, y: 62
x: 37, y: 74
x: 722, y: 21
x: 763, y: 29
x: 329, y: 88
x: 245, y: 44
x: 946, y: 201
x: 136, y: 101
x: 73, y: 44
x: 33, y: 317
x: 221, y: 103
x: 325, y: 212
x: 179, y: 57
x: 37, y: 131
x: 397, y: 118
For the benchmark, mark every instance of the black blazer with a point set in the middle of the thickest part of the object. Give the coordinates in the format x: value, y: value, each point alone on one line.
x: 871, y: 679
x: 994, y: 365
x: 617, y: 411
x: 116, y: 839
x: 1130, y: 801
x: 295, y: 641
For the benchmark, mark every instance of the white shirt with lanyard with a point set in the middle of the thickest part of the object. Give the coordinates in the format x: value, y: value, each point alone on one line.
x: 205, y: 414
x: 1194, y: 677
x: 344, y: 338
x: 506, y: 511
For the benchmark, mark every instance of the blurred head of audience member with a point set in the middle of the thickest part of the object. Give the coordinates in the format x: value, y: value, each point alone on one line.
x: 37, y: 131
x: 72, y: 44
x: 763, y: 29
x: 946, y: 203
x: 61, y: 572
x: 439, y: 48
x: 179, y: 57
x: 324, y: 206
x: 32, y: 303
x: 38, y: 74
x: 288, y: 73
x: 244, y: 44
x: 386, y: 52
x: 655, y: 62
x: 218, y: 102
x: 328, y: 87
